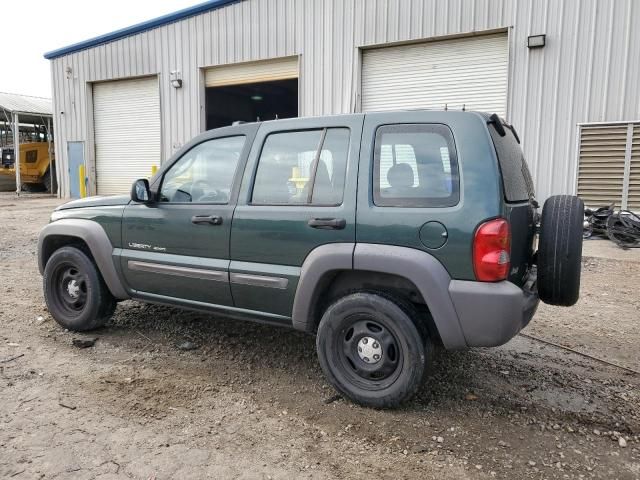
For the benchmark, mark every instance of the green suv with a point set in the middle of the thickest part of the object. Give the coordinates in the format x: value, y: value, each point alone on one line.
x: 384, y: 234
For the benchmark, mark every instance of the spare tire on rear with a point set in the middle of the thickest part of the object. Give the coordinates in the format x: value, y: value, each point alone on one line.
x: 560, y: 250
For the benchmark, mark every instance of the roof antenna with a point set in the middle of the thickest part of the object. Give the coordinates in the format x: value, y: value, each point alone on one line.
x: 446, y: 107
x: 464, y: 107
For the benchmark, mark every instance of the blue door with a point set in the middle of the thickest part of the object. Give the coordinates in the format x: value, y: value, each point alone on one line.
x: 75, y: 152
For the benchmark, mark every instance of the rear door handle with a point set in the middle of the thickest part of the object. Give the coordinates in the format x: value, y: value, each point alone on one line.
x: 327, y: 223
x: 206, y: 220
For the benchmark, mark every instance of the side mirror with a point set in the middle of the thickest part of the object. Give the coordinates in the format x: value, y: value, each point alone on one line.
x: 140, y: 191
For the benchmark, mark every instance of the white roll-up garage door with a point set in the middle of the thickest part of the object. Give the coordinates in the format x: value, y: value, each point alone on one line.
x: 127, y: 132
x: 252, y: 72
x: 470, y: 72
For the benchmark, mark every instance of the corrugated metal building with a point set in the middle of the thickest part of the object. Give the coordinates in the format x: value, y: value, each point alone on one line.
x: 126, y: 101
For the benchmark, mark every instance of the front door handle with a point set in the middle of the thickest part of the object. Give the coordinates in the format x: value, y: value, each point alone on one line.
x: 206, y: 220
x: 327, y: 223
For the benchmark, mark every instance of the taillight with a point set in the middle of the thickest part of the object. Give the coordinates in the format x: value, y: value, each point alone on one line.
x: 491, y: 251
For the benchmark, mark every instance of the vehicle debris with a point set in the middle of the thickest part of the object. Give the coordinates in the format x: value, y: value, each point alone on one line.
x: 187, y: 345
x: 10, y: 359
x: 335, y: 398
x: 84, y: 342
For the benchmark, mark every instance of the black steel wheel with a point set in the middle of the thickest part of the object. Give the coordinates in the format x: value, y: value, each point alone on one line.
x: 371, y: 350
x: 75, y: 292
x: 70, y: 288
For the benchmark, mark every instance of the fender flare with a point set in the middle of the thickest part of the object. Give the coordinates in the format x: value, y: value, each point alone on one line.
x: 419, y: 267
x: 321, y: 261
x: 427, y: 274
x: 98, y: 242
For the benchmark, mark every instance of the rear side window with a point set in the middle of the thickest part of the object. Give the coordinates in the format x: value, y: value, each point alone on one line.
x: 516, y: 178
x: 302, y: 168
x: 415, y: 165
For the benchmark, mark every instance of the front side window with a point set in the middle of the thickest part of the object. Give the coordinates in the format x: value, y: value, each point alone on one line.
x: 415, y: 165
x: 205, y: 173
x: 302, y: 168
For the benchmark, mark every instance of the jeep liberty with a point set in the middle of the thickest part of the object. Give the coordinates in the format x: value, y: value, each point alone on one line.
x: 383, y: 234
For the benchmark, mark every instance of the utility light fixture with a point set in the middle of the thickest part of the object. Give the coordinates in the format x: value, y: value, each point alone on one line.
x: 536, y: 41
x: 176, y: 81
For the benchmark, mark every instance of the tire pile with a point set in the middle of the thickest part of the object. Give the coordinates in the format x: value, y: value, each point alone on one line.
x: 621, y: 227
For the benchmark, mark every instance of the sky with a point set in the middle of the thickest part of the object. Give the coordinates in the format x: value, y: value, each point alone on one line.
x: 32, y: 27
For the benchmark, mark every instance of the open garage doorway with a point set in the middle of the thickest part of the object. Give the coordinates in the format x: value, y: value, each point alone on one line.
x: 251, y: 91
x: 250, y: 102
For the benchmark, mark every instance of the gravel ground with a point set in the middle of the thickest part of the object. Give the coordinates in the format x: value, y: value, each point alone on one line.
x: 250, y: 401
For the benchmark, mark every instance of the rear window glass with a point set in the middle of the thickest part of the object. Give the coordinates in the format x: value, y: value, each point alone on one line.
x: 302, y: 168
x: 516, y: 178
x: 415, y: 165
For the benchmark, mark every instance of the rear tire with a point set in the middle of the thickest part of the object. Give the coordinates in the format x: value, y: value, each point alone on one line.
x: 75, y: 292
x: 560, y: 250
x: 371, y: 350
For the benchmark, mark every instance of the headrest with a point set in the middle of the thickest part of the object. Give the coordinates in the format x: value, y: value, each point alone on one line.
x: 322, y: 173
x: 400, y: 176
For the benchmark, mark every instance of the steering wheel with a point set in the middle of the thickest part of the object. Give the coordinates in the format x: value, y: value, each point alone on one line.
x: 211, y: 195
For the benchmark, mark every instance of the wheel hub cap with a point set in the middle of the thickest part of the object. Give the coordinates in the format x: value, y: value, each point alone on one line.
x: 369, y: 350
x: 73, y: 289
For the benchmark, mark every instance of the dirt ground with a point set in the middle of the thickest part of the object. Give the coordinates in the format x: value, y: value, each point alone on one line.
x: 251, y: 402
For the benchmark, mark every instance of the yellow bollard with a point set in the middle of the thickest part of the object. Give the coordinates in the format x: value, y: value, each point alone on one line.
x: 154, y: 169
x: 81, y: 179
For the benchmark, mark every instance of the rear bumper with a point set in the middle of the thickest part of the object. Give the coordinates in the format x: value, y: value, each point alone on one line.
x: 491, y: 314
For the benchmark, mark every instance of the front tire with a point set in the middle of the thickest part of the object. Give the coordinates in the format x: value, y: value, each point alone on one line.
x: 75, y: 292
x: 371, y: 350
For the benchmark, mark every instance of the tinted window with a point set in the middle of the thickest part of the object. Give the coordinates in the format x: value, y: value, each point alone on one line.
x: 415, y: 166
x: 205, y: 173
x: 516, y: 178
x: 32, y: 156
x: 302, y: 168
